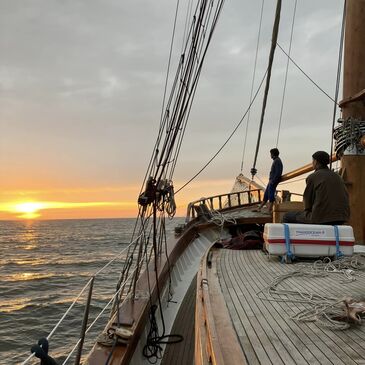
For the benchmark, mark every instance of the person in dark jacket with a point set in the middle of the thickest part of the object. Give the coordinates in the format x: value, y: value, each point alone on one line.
x: 325, y: 197
x: 274, y: 179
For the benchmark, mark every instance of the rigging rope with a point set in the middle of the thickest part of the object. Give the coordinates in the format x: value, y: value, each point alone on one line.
x: 339, y: 64
x: 187, y: 17
x: 227, y: 140
x: 186, y: 117
x: 271, y: 59
x: 286, y: 73
x: 157, y: 193
x: 252, y: 83
x: 169, y: 62
x: 305, y: 74
x: 152, y: 350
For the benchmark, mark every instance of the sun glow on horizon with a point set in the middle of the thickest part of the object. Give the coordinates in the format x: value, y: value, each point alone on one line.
x: 29, y: 209
x: 32, y: 210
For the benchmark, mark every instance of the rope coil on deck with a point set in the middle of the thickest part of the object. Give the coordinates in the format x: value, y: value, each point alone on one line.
x: 335, y: 313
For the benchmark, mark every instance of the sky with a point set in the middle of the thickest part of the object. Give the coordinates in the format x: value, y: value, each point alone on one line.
x: 81, y: 87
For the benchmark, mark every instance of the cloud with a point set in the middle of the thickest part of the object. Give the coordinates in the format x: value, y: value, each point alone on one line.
x: 82, y: 86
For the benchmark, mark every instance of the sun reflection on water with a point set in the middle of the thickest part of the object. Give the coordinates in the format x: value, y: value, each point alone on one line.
x: 29, y: 236
x: 26, y: 276
x: 11, y: 305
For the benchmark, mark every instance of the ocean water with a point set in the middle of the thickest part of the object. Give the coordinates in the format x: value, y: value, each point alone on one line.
x: 43, y: 267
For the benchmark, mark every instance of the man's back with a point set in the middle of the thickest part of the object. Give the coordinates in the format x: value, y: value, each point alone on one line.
x: 326, y: 198
x: 276, y: 171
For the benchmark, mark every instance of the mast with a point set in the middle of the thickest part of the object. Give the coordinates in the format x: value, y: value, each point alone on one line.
x: 350, y: 137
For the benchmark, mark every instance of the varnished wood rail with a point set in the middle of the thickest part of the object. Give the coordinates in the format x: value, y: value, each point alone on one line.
x: 225, y: 201
x: 216, y: 342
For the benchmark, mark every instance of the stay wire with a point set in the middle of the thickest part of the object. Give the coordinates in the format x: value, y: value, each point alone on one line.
x: 169, y: 61
x: 339, y: 66
x: 197, y: 75
x: 155, y: 151
x: 187, y: 17
x: 305, y: 74
x: 286, y: 73
x: 169, y: 140
x: 252, y: 83
x: 266, y: 92
x: 186, y: 116
x: 164, y: 119
x: 227, y: 140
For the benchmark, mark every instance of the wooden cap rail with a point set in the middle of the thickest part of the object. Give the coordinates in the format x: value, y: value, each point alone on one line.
x: 225, y: 201
x: 216, y: 342
x: 136, y: 311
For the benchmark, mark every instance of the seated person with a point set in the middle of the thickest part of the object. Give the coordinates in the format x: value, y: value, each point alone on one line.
x: 325, y: 197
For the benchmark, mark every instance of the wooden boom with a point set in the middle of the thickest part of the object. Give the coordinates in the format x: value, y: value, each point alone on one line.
x: 302, y: 170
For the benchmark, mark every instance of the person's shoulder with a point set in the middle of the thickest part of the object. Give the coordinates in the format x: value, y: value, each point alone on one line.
x: 312, y: 175
x: 277, y: 161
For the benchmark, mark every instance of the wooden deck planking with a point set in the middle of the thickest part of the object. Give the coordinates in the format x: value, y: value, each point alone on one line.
x: 182, y: 353
x: 281, y: 331
x: 265, y: 329
x: 324, y: 335
x: 294, y: 329
x: 347, y: 339
x: 308, y: 335
x: 265, y: 340
x: 342, y: 291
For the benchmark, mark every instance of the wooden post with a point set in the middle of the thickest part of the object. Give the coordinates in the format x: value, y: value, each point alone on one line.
x: 353, y: 166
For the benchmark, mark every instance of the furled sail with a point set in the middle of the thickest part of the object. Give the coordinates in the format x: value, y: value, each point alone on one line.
x: 243, y: 183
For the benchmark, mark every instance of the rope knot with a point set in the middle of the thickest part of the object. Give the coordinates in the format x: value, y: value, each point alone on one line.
x: 41, y: 351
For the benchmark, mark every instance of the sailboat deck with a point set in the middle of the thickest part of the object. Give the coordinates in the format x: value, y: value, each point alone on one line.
x: 264, y: 328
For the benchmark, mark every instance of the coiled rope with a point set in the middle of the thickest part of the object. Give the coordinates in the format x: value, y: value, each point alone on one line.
x: 326, y: 310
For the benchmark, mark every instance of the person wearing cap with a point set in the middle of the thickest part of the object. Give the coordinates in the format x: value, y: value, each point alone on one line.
x: 325, y: 197
x: 274, y: 179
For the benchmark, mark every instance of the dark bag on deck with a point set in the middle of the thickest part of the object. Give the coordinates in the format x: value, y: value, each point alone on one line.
x: 250, y: 240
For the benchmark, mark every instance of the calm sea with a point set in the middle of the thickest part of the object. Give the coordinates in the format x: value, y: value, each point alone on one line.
x: 43, y: 266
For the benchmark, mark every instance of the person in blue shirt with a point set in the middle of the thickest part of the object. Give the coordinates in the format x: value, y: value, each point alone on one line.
x: 274, y: 179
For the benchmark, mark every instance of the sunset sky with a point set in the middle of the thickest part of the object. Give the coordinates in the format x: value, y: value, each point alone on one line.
x: 81, y: 86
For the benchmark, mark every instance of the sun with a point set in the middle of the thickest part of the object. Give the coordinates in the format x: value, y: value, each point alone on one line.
x: 29, y: 210
x: 35, y: 209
